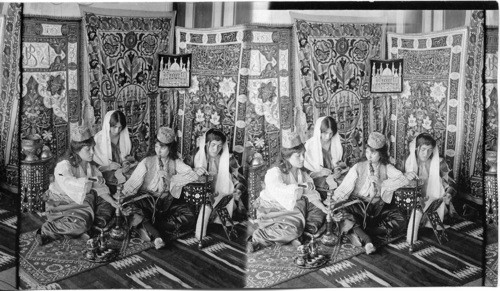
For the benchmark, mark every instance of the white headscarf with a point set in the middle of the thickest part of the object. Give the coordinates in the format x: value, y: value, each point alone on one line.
x: 314, y: 153
x: 102, y: 150
x: 435, y: 189
x: 224, y: 185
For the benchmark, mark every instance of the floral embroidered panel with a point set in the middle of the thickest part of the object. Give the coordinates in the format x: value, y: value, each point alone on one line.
x: 433, y: 92
x: 122, y: 67
x: 334, y: 63
x: 9, y: 97
x: 51, y: 79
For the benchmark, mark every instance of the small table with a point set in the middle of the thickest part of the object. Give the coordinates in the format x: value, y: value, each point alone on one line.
x: 491, y: 191
x: 35, y: 180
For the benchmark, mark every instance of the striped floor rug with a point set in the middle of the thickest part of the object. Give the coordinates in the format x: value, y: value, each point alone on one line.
x: 8, y: 218
x: 180, y: 265
x: 457, y: 262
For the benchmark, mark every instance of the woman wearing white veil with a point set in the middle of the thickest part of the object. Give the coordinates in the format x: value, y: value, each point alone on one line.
x: 113, y: 145
x: 324, y: 153
x: 424, y: 163
x: 213, y: 156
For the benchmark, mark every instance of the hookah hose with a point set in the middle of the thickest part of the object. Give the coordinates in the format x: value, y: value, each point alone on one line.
x: 365, y: 208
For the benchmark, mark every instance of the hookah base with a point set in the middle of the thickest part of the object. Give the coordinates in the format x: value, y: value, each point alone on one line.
x: 329, y: 239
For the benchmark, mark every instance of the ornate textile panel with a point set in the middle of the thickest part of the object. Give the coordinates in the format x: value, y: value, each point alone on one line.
x: 471, y: 172
x: 334, y: 63
x: 433, y: 92
x: 9, y: 97
x: 210, y: 102
x: 266, y: 83
x: 51, y: 79
x: 491, y: 88
x: 122, y: 52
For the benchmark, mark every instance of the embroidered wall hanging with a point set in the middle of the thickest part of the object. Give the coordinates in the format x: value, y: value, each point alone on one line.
x: 174, y: 71
x: 433, y: 92
x: 334, y: 63
x: 9, y: 98
x: 122, y: 51
x: 491, y: 88
x: 210, y: 102
x: 242, y: 83
x: 51, y: 79
x: 265, y: 91
x: 471, y: 175
x: 386, y: 76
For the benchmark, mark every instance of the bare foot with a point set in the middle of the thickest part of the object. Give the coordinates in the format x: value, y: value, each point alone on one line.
x: 370, y: 248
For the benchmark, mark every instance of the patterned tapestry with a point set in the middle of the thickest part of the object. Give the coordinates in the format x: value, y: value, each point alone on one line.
x: 241, y: 84
x: 122, y: 50
x: 211, y: 99
x: 491, y: 88
x: 51, y: 79
x: 334, y: 63
x: 433, y: 92
x: 266, y: 82
x: 9, y: 97
x: 471, y: 168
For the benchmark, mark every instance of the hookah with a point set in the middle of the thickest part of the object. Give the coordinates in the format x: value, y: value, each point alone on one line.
x: 329, y: 238
x: 118, y: 232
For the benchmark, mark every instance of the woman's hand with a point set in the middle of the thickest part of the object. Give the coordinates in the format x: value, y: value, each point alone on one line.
x: 339, y: 216
x: 373, y: 179
x: 324, y: 172
x: 163, y: 174
x: 114, y: 166
x: 126, y: 166
x: 411, y: 175
x: 200, y: 171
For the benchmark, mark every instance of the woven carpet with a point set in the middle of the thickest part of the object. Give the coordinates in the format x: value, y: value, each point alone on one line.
x: 220, y: 264
x: 457, y: 262
x: 63, y: 258
x: 122, y: 67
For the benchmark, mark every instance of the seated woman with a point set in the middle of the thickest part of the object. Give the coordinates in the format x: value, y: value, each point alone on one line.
x: 424, y: 163
x: 373, y: 182
x: 161, y: 178
x: 324, y: 154
x: 222, y: 169
x: 113, y: 146
x: 78, y: 195
x: 288, y: 205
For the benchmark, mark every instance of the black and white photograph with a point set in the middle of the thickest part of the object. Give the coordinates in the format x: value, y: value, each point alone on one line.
x: 248, y: 144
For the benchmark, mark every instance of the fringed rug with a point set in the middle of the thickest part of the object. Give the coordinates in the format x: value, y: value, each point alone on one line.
x: 63, y: 258
x: 180, y: 265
